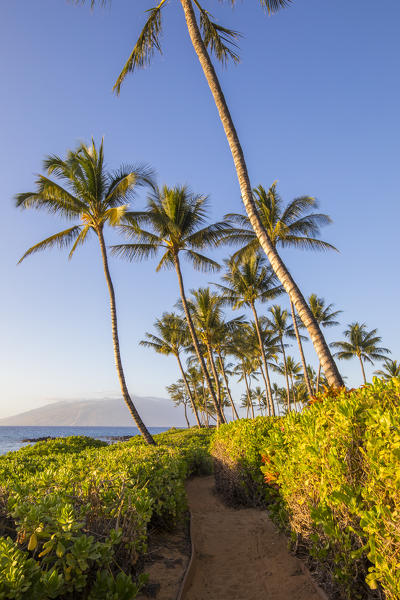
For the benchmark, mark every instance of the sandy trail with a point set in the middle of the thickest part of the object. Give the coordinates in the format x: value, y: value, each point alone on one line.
x: 240, y: 555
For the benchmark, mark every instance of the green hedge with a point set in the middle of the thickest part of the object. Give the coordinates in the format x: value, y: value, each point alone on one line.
x: 74, y: 512
x: 333, y: 477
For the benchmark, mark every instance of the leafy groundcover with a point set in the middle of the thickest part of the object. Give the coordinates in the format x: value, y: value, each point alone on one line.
x: 331, y: 477
x: 74, y: 512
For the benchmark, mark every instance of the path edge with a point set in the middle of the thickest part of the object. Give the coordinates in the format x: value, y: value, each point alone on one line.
x: 190, y: 569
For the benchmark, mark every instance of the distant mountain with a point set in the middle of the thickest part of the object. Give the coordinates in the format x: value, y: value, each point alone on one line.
x: 112, y: 412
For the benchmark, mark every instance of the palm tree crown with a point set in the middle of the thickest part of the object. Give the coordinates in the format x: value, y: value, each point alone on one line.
x: 391, y: 368
x: 177, y: 219
x: 85, y: 191
x: 294, y: 225
x: 361, y: 343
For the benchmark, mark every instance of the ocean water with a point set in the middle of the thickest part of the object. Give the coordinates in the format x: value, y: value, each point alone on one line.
x: 11, y: 437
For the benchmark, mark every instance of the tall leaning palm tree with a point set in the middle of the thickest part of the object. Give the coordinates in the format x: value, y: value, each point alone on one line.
x: 209, y: 37
x: 95, y: 197
x: 177, y: 220
x: 171, y: 339
x: 295, y: 225
x: 362, y: 344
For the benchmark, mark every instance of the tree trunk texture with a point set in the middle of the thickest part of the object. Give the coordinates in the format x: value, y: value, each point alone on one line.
x: 303, y: 360
x: 117, y: 355
x: 189, y: 391
x: 195, y: 341
x: 305, y: 314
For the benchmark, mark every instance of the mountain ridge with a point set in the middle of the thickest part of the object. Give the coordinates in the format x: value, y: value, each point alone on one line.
x: 112, y: 412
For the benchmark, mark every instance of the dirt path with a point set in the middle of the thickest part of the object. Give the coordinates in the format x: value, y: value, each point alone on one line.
x: 239, y: 553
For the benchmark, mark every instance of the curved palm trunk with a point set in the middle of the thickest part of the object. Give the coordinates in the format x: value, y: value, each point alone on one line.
x: 195, y: 341
x: 305, y: 314
x: 118, y: 363
x: 286, y: 375
x: 363, y: 371
x: 228, y: 391
x: 189, y: 391
x: 303, y: 360
x: 264, y: 359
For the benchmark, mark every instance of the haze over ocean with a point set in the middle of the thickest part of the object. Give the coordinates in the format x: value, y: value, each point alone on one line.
x: 315, y: 100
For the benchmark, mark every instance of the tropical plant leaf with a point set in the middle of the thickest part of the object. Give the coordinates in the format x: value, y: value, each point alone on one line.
x: 148, y: 41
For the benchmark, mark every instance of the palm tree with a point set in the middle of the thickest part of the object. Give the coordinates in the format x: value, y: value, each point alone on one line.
x: 221, y: 341
x: 206, y: 311
x: 178, y: 393
x: 87, y: 192
x: 214, y: 38
x: 171, y: 339
x: 391, y: 368
x: 280, y: 325
x: 249, y: 282
x: 294, y: 225
x: 260, y: 397
x: 325, y: 317
x: 363, y: 344
x: 177, y: 219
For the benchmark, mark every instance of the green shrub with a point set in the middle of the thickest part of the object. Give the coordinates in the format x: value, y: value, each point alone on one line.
x: 78, y: 510
x: 333, y: 479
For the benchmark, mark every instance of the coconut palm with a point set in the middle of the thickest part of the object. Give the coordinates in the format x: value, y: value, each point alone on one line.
x: 172, y: 338
x: 391, y: 368
x: 296, y: 225
x: 279, y: 323
x: 261, y: 399
x: 246, y: 283
x: 221, y: 341
x: 209, y: 37
x: 178, y: 392
x: 362, y: 344
x: 271, y: 348
x: 325, y: 317
x: 205, y: 307
x: 293, y: 370
x: 177, y: 219
x: 95, y: 197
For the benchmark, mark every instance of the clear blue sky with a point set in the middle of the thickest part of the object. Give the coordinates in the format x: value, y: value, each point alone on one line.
x: 316, y: 102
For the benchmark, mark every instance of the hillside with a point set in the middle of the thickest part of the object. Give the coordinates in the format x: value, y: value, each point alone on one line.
x: 102, y: 413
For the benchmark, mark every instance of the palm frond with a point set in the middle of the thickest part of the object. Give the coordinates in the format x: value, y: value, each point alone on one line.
x: 147, y: 43
x: 201, y: 262
x: 115, y: 215
x: 134, y: 251
x: 218, y: 39
x: 61, y: 239
x: 79, y: 240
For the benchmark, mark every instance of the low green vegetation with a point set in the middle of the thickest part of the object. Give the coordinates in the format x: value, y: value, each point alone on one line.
x: 74, y: 512
x: 331, y: 477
